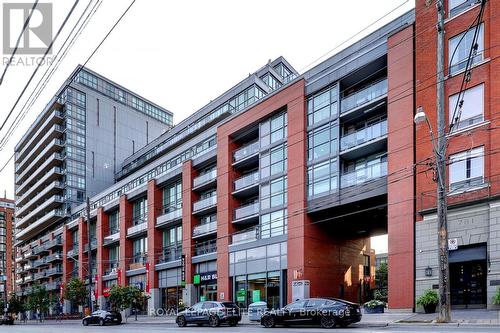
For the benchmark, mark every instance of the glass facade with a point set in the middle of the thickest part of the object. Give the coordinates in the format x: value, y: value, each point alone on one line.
x: 140, y: 211
x: 172, y: 197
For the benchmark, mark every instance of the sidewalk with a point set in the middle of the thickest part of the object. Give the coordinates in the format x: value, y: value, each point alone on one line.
x: 459, y: 317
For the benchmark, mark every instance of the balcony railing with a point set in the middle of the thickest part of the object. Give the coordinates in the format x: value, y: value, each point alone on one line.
x: 138, y: 261
x: 93, y: 244
x: 245, y: 236
x: 366, y: 134
x: 53, y: 243
x: 113, y: 236
x: 169, y: 214
x: 206, y: 247
x: 205, y: 203
x: 246, y: 211
x: 111, y: 267
x: 54, y: 257
x: 40, y: 262
x: 137, y: 228
x: 246, y: 151
x: 205, y: 178
x: 246, y: 181
x: 53, y: 271
x: 139, y: 219
x: 74, y: 251
x: 54, y: 285
x: 204, y: 229
x: 171, y: 253
x: 367, y: 173
x: 364, y: 96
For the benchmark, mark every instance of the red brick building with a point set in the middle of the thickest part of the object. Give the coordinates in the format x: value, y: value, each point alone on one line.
x: 7, y: 267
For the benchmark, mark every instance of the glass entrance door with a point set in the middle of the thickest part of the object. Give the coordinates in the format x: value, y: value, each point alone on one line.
x: 468, y: 284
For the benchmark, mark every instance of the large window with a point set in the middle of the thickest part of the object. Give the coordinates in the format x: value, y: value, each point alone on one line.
x: 273, y: 224
x: 467, y: 169
x: 322, y: 142
x: 273, y: 129
x: 172, y: 197
x: 114, y: 222
x: 457, y: 6
x: 140, y: 247
x: 322, y: 178
x: 459, y: 48
x: 273, y: 162
x: 274, y: 193
x: 322, y: 106
x: 139, y: 211
x: 472, y: 109
x: 172, y: 236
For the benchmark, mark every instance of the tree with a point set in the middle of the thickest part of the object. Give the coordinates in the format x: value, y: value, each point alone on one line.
x: 125, y: 297
x: 39, y: 300
x: 381, y: 282
x: 76, y: 292
x: 15, y: 304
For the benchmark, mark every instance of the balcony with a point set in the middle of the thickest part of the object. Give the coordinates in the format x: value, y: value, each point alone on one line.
x: 28, y: 278
x: 43, y: 222
x: 36, y: 184
x: 137, y: 229
x: 246, y: 153
x: 54, y: 243
x: 41, y: 276
x: 246, y: 214
x: 93, y: 245
x: 245, y: 236
x: 20, y: 259
x: 364, y: 97
x: 365, y: 141
x: 204, y: 205
x: 40, y: 263
x: 138, y: 261
x: 54, y: 271
x: 363, y: 175
x: 20, y: 281
x: 247, y: 185
x: 41, y: 210
x: 38, y: 160
x: 204, y: 229
x: 111, y: 268
x: 74, y: 251
x: 40, y: 249
x: 33, y: 201
x: 113, y: 236
x: 54, y: 257
x: 169, y: 215
x: 206, y: 247
x: 206, y: 180
x: 54, y: 285
x: 170, y: 253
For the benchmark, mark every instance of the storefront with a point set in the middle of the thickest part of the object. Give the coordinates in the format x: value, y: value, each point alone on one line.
x: 139, y: 281
x: 206, y: 285
x: 106, y: 289
x: 260, y: 287
x: 170, y: 285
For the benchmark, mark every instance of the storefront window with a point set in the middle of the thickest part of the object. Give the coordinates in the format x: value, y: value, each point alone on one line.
x: 261, y: 287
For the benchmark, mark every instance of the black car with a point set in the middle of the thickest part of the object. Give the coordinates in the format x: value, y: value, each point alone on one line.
x: 327, y: 312
x: 102, y: 318
x: 211, y: 313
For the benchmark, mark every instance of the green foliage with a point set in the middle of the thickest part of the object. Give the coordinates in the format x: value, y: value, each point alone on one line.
x: 429, y: 297
x: 496, y: 298
x: 15, y: 304
x: 76, y: 292
x: 374, y: 303
x: 39, y: 299
x: 381, y: 276
x: 122, y: 298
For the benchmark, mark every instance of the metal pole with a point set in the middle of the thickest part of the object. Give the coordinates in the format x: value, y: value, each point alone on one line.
x: 89, y: 255
x: 444, y: 275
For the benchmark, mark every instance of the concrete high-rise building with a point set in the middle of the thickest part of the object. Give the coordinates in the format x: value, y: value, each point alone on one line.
x: 71, y: 151
x: 7, y: 269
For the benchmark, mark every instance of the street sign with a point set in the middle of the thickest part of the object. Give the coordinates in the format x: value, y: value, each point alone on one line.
x: 452, y: 244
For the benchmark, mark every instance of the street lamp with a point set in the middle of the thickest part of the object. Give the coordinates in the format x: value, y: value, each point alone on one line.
x: 439, y: 149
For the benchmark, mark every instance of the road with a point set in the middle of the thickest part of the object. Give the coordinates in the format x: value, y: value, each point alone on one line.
x: 157, y: 327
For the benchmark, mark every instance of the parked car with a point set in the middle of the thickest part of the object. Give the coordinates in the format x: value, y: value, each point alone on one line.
x: 6, y: 320
x: 102, y: 318
x: 327, y: 312
x: 211, y: 313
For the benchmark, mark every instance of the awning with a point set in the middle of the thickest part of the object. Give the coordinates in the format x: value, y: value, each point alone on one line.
x: 468, y: 254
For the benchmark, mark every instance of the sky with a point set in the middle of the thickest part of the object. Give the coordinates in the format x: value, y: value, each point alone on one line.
x: 182, y: 54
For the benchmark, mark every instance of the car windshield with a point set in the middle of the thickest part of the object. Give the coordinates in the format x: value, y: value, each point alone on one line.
x: 295, y: 305
x: 229, y: 305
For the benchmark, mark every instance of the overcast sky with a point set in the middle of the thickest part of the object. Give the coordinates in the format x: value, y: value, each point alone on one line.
x: 182, y: 54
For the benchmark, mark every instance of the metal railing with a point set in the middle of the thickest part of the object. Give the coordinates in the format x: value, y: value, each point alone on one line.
x: 205, y: 203
x: 246, y: 151
x: 246, y: 181
x: 362, y: 175
x: 137, y: 228
x: 205, y: 178
x: 366, y: 134
x: 363, y: 96
x: 111, y: 267
x: 206, y: 247
x: 245, y: 236
x: 203, y: 229
x: 170, y: 253
x: 246, y: 211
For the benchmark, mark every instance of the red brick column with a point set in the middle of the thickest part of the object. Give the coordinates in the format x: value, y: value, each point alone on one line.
x: 154, y: 236
x: 102, y: 230
x: 67, y: 262
x: 188, y: 222
x: 225, y: 207
x: 125, y: 244
x: 400, y: 152
x: 82, y: 241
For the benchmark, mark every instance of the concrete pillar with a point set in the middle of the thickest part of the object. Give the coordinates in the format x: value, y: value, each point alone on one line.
x: 188, y: 222
x: 125, y: 244
x: 155, y: 245
x: 102, y: 230
x: 154, y: 302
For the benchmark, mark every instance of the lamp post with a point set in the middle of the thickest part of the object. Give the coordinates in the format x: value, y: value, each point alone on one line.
x: 439, y: 149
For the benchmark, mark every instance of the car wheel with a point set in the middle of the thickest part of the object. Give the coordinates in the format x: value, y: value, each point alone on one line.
x: 181, y: 321
x: 214, y: 321
x: 268, y: 321
x: 328, y: 322
x: 233, y: 322
x: 102, y: 322
x: 85, y: 322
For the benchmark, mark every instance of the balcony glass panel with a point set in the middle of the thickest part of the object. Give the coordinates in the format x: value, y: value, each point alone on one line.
x: 245, y: 211
x: 205, y: 203
x: 171, y: 253
x: 366, y: 134
x: 206, y: 247
x: 364, y: 174
x: 204, y: 228
x: 246, y: 181
x: 205, y: 178
x: 364, y: 95
x: 245, y: 236
x: 246, y: 151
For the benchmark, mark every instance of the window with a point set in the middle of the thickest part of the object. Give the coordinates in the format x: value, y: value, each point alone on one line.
x: 271, y: 81
x: 172, y: 197
x: 140, y: 246
x: 273, y: 129
x: 459, y: 49
x: 455, y: 7
x: 274, y: 193
x: 467, y: 169
x: 273, y: 224
x: 472, y: 107
x: 322, y: 106
x: 322, y: 142
x: 172, y: 236
x: 139, y: 211
x: 322, y: 178
x: 114, y: 222
x: 296, y: 305
x: 273, y: 162
x: 366, y: 265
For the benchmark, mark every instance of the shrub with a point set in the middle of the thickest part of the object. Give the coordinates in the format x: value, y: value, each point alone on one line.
x: 496, y: 298
x: 429, y: 297
x: 374, y: 303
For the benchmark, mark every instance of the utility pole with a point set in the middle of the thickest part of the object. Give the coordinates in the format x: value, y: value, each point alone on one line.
x: 442, y: 206
x: 89, y: 256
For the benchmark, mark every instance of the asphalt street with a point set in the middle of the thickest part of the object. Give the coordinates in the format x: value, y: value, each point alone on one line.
x: 163, y: 327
